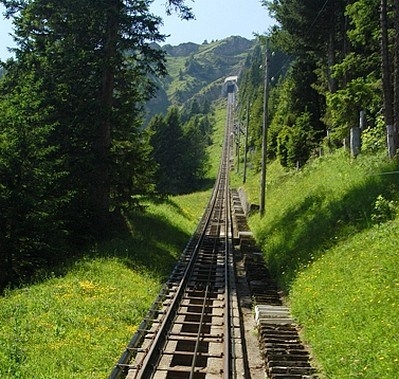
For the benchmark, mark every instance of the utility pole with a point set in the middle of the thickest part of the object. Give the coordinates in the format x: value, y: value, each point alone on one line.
x: 238, y: 132
x: 244, y: 178
x: 387, y: 86
x: 264, y: 132
x: 396, y: 75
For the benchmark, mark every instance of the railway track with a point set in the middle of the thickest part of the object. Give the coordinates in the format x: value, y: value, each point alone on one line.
x: 190, y: 331
x: 195, y: 329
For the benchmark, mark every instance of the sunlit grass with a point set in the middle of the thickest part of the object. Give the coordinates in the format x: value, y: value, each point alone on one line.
x: 310, y: 210
x: 321, y: 238
x: 74, y: 326
x: 215, y: 150
x: 349, y: 303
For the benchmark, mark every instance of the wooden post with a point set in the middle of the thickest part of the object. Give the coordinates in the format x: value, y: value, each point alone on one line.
x: 362, y: 121
x: 355, y: 141
x: 238, y: 132
x: 391, y: 141
x: 264, y: 132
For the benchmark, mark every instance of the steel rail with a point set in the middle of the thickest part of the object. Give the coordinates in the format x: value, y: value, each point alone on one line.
x: 228, y: 322
x: 152, y: 356
x: 219, y: 202
x: 205, y: 300
x: 195, y: 354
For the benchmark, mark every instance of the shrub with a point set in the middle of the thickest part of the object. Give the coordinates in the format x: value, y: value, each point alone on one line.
x: 384, y: 210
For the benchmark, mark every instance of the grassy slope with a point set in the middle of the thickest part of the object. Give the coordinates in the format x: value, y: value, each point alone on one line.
x: 77, y: 325
x: 337, y: 265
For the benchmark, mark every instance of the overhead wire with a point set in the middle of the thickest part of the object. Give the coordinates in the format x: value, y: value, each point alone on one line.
x: 307, y: 33
x: 316, y: 18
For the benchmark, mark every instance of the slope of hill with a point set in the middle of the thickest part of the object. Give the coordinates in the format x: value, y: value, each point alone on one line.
x: 76, y: 321
x: 330, y: 237
x: 198, y: 71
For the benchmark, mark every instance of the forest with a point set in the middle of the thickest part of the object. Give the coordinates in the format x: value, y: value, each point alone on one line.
x: 75, y: 158
x: 339, y: 78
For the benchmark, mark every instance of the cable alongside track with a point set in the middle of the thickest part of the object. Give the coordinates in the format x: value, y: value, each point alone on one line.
x: 190, y: 331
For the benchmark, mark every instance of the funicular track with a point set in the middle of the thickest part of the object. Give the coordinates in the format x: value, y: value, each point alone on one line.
x: 190, y: 331
x: 195, y: 328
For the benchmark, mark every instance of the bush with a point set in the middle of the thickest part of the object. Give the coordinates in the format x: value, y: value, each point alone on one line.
x: 374, y: 139
x: 384, y: 210
x: 294, y: 144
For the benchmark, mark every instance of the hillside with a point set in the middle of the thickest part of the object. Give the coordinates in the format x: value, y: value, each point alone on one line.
x: 198, y: 71
x: 330, y: 235
x: 75, y: 321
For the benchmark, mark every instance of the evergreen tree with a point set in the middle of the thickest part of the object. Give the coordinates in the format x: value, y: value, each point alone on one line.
x: 32, y: 195
x: 196, y: 139
x: 168, y: 151
x: 94, y: 60
x: 357, y: 73
x: 179, y: 150
x: 72, y: 145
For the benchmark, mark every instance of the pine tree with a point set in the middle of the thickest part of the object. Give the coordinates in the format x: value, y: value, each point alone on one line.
x: 32, y: 229
x: 95, y: 61
x: 168, y: 151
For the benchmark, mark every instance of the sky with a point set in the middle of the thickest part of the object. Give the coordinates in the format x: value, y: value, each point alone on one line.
x: 214, y: 20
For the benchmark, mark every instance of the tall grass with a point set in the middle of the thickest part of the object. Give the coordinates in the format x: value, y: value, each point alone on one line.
x: 311, y: 210
x: 330, y: 237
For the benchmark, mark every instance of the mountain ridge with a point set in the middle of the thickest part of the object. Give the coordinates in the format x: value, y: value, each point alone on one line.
x: 197, y: 71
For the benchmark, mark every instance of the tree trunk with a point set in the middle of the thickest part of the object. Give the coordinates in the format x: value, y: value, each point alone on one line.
x: 101, y: 191
x: 386, y: 81
x: 331, y: 59
x: 332, y: 82
x: 396, y: 73
x: 345, y: 48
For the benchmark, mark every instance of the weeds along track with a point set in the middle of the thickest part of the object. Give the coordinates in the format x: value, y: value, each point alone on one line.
x: 190, y: 331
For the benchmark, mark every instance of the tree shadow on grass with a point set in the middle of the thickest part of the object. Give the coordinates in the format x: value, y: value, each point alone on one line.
x: 205, y: 184
x: 152, y: 245
x: 196, y: 186
x: 300, y: 236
